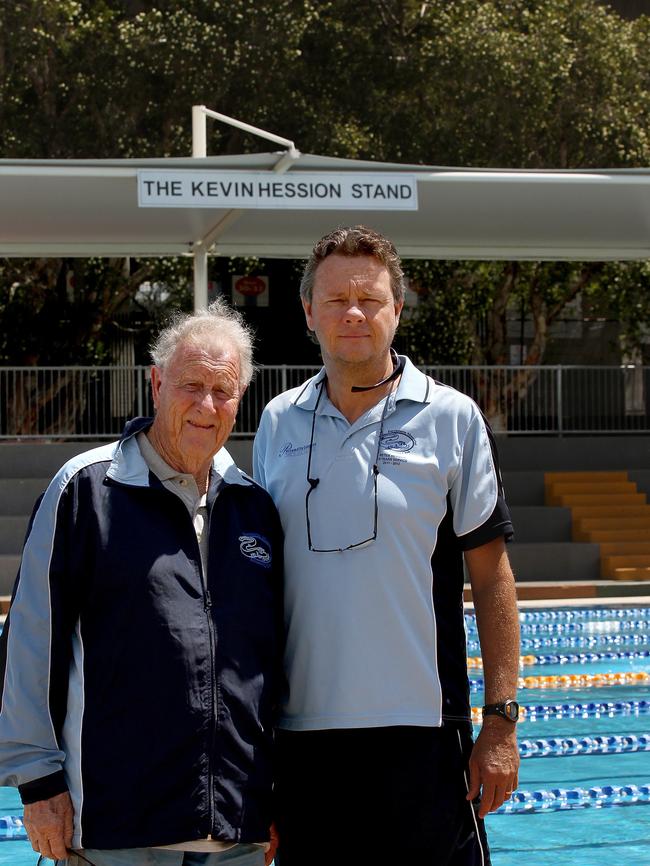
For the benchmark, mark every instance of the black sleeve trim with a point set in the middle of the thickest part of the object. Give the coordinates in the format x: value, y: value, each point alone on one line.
x: 43, y: 788
x: 498, y: 524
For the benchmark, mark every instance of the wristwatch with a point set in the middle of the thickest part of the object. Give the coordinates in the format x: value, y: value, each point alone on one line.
x: 507, y: 710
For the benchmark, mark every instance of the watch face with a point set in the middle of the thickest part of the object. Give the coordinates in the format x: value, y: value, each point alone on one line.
x: 507, y: 710
x: 511, y: 710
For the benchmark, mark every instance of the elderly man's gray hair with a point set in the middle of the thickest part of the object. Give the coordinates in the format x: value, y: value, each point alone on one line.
x: 218, y: 324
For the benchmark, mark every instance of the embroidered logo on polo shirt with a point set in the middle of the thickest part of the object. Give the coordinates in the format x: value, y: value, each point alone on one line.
x: 397, y: 440
x: 256, y: 548
x: 291, y: 450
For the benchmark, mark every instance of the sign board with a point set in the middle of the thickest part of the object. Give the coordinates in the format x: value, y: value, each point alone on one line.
x: 263, y: 189
x: 250, y: 291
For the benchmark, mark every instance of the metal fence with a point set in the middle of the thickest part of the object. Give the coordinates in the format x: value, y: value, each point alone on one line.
x: 94, y: 402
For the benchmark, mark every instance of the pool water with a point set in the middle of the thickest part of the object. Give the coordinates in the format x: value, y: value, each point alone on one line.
x: 590, y: 836
x: 603, y: 836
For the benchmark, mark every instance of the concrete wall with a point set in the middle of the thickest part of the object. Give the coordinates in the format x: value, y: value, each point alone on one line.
x: 573, y: 453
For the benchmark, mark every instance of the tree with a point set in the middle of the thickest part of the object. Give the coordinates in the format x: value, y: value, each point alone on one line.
x: 96, y: 79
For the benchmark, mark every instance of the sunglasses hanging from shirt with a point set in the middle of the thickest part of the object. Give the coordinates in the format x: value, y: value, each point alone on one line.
x: 398, y: 366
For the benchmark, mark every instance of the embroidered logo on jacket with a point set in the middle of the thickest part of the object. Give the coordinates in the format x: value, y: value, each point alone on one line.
x: 256, y: 548
x: 397, y: 440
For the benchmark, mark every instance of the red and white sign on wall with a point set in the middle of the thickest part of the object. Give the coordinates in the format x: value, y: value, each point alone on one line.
x: 250, y: 291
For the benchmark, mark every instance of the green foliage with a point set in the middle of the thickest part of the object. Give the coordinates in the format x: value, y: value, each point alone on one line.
x: 625, y: 295
x: 551, y: 83
x: 66, y: 312
x: 462, y: 310
x: 95, y: 79
x: 545, y: 84
x: 452, y: 298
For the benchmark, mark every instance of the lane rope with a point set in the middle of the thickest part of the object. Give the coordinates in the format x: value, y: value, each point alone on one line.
x: 569, y: 658
x: 578, y: 614
x: 12, y: 828
x: 574, y: 642
x: 591, y: 710
x: 575, y: 681
x: 570, y: 628
x: 613, y: 744
x: 558, y: 799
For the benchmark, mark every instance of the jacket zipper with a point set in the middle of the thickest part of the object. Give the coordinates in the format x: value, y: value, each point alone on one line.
x: 207, y: 607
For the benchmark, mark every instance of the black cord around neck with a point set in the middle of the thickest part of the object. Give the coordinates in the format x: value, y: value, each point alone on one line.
x: 398, y: 368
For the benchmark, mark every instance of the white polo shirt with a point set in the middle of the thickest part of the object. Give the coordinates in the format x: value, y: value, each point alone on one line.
x: 375, y: 635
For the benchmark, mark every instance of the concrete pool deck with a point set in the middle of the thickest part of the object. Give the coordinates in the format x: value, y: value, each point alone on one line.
x: 532, y: 603
x: 581, y: 590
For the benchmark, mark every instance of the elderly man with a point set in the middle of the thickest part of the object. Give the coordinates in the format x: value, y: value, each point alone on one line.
x: 142, y: 645
x: 384, y: 480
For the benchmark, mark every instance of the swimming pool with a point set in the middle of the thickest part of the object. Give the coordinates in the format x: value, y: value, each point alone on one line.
x: 590, y: 836
x: 561, y: 640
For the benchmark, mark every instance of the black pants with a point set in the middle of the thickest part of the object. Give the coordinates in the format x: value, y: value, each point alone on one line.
x: 375, y: 796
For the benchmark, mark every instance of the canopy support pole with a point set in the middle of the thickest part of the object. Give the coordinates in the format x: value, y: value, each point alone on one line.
x: 200, y: 116
x: 200, y: 279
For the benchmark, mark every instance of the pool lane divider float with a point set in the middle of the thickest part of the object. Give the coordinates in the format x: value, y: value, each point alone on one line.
x: 575, y: 642
x: 12, y: 828
x: 613, y: 744
x: 575, y: 681
x: 578, y: 614
x: 562, y: 799
x: 586, y: 628
x: 570, y: 658
x: 543, y: 712
x: 583, y: 614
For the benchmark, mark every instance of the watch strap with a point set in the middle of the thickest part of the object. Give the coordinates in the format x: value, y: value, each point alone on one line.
x: 506, y: 709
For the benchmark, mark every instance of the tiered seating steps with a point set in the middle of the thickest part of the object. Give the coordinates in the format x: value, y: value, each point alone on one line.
x: 607, y: 509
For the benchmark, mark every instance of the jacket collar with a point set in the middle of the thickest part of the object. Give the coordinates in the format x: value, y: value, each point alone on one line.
x: 129, y: 467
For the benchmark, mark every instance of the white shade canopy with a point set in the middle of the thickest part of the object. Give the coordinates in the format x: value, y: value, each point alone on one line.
x: 90, y: 207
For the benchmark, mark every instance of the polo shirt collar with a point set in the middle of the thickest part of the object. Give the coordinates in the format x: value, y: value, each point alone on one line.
x: 152, y: 458
x: 307, y: 397
x: 414, y: 384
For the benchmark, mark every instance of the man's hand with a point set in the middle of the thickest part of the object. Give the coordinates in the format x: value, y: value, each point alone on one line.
x: 49, y: 826
x: 494, y: 764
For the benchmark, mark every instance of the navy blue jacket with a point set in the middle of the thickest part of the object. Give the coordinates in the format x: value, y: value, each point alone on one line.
x: 129, y: 681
